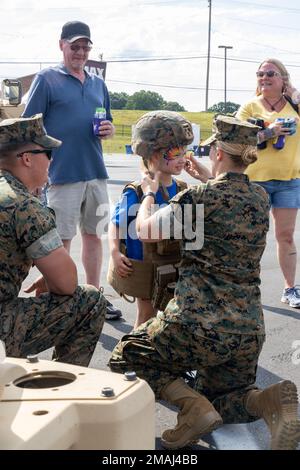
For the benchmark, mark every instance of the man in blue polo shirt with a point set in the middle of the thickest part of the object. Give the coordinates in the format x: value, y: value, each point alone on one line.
x: 67, y: 95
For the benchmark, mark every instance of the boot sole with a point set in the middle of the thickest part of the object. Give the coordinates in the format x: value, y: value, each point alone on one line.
x: 288, y: 435
x: 191, y: 436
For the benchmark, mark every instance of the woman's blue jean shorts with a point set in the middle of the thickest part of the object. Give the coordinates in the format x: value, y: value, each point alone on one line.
x: 283, y: 194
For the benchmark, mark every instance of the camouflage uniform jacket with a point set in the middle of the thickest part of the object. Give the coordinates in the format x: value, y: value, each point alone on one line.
x: 218, y: 285
x: 27, y: 231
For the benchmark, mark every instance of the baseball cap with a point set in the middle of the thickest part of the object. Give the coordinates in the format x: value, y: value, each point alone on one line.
x: 74, y: 30
x: 24, y: 130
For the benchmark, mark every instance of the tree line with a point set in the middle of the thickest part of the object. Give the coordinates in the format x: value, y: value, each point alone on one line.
x: 150, y: 100
x: 145, y: 100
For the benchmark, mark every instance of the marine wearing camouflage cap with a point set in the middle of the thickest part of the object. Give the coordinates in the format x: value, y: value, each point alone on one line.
x: 24, y: 130
x: 231, y: 130
x: 160, y: 130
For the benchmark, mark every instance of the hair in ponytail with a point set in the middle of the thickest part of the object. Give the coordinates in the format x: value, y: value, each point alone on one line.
x: 240, y: 154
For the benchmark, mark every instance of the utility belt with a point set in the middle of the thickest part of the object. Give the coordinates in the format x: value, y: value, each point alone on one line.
x: 154, y: 278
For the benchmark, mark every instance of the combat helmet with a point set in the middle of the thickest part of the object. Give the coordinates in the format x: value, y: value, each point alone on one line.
x: 160, y: 130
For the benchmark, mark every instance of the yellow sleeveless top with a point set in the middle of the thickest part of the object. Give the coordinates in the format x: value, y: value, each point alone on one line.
x: 273, y: 164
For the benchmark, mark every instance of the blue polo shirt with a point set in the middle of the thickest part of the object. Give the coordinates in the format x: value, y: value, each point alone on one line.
x: 68, y: 107
x: 125, y: 214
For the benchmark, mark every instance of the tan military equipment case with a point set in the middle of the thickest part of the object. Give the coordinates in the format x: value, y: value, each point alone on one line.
x: 48, y: 405
x: 142, y: 283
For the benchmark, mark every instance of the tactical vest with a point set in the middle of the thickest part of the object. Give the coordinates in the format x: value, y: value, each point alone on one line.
x: 154, y: 278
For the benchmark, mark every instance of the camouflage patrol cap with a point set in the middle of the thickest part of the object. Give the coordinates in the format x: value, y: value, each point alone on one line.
x: 160, y: 130
x: 231, y: 130
x: 23, y: 130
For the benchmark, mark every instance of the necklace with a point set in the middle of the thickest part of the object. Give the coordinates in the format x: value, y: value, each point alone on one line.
x: 272, y: 106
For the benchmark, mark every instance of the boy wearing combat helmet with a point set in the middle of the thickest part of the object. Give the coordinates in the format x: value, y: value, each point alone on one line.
x: 160, y: 138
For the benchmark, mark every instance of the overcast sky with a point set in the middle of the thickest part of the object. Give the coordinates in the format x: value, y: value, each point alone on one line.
x: 128, y: 29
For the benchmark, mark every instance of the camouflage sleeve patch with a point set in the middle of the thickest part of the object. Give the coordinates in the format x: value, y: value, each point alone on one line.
x: 44, y: 245
x: 32, y: 221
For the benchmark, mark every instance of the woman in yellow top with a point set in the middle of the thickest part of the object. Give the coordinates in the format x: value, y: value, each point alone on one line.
x: 278, y: 169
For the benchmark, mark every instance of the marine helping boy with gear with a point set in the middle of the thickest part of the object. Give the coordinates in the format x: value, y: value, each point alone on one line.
x: 148, y: 272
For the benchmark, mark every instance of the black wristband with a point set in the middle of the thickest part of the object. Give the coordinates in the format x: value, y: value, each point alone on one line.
x: 149, y: 193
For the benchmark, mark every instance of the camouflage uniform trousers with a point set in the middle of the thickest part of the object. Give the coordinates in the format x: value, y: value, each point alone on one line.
x: 72, y: 324
x: 160, y: 352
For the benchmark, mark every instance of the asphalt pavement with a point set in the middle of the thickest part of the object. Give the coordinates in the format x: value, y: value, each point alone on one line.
x: 280, y: 358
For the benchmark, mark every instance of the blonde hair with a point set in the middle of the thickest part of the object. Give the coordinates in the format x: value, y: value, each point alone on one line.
x: 240, y: 154
x: 283, y: 72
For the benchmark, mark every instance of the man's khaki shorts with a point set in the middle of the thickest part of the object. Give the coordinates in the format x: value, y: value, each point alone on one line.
x: 84, y: 203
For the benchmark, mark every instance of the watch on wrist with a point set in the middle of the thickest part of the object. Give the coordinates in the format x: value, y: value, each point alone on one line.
x: 149, y: 193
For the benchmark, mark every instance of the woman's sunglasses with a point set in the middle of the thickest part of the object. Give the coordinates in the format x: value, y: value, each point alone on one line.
x: 268, y: 73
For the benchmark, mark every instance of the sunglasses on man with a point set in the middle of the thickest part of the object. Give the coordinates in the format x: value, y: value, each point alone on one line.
x: 76, y: 48
x: 268, y: 73
x: 47, y: 152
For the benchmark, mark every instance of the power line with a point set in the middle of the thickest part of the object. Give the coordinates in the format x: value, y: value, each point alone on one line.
x: 262, y: 24
x: 170, y: 2
x: 144, y: 59
x: 234, y: 59
x: 252, y: 61
x: 9, y: 62
x: 261, y: 5
x: 140, y: 59
x: 175, y: 86
x: 264, y: 46
x: 153, y: 59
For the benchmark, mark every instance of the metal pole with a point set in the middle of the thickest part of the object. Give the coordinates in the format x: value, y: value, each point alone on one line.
x: 208, y: 56
x: 225, y: 74
x: 225, y: 81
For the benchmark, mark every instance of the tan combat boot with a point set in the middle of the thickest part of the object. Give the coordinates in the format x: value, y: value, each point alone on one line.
x: 278, y: 406
x: 196, y: 417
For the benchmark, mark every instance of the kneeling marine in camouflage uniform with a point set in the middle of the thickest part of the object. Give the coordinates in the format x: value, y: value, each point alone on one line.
x: 64, y: 315
x: 215, y: 322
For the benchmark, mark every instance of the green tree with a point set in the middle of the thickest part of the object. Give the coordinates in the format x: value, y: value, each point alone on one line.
x: 147, y: 100
x: 220, y: 107
x: 173, y: 106
x: 118, y: 100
